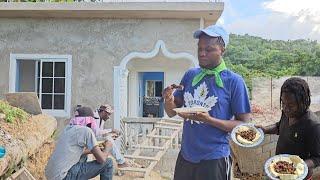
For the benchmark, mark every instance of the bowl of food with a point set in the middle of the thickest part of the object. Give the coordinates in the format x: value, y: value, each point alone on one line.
x: 247, y: 135
x: 285, y: 166
x: 101, y: 144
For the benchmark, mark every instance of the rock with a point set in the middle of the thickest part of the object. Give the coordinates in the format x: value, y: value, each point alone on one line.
x: 28, y: 101
x: 24, y: 139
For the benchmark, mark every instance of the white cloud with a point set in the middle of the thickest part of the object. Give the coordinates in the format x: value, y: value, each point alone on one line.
x: 274, y: 26
x: 285, y: 19
x: 294, y: 7
x: 306, y: 11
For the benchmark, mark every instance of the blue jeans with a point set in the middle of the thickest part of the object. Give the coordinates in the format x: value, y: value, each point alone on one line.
x: 87, y: 170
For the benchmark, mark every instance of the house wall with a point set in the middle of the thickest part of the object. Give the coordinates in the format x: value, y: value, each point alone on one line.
x: 96, y: 46
x: 173, y: 72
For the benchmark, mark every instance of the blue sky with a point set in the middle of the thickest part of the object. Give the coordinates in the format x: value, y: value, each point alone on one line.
x: 273, y: 19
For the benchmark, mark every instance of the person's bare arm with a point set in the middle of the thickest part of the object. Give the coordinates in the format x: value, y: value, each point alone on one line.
x: 100, y: 156
x: 171, y: 102
x: 314, y: 148
x: 271, y: 129
x: 225, y: 125
x: 86, y: 151
x: 169, y: 105
x: 310, y: 163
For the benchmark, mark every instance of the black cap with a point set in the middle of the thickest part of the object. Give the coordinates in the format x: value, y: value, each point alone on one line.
x: 85, y: 112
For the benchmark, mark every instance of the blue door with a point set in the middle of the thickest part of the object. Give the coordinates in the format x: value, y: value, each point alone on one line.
x: 151, y: 91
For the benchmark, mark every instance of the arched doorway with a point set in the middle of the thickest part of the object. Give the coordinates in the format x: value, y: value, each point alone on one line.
x: 126, y: 74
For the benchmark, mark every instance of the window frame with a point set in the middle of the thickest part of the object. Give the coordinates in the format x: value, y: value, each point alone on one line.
x: 67, y: 59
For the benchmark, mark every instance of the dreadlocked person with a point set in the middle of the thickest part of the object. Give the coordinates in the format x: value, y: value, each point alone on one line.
x: 298, y: 128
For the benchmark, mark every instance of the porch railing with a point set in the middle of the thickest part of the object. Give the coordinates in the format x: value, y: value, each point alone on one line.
x: 135, y: 131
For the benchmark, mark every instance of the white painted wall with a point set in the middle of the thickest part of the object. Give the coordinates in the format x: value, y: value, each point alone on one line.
x: 173, y: 72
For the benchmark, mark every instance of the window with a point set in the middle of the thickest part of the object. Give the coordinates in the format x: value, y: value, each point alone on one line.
x: 47, y: 75
x: 153, y: 88
x: 51, y: 79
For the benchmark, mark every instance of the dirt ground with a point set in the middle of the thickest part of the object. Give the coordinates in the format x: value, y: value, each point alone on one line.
x: 37, y: 162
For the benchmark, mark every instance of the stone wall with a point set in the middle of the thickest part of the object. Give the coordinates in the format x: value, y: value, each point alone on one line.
x: 251, y: 160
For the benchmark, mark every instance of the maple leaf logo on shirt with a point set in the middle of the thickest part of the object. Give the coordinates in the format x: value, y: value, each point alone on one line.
x: 199, y: 99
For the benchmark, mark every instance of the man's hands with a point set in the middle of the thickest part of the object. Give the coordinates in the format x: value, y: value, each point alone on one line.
x: 199, y: 116
x: 171, y: 102
x: 167, y: 94
x: 114, y: 133
x: 106, y: 145
x: 101, y: 156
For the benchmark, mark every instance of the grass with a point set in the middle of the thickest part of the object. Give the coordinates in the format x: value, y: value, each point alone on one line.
x: 12, y: 113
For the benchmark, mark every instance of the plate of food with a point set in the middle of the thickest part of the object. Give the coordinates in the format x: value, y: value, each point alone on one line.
x: 190, y: 109
x: 285, y: 166
x: 247, y: 135
x: 101, y: 144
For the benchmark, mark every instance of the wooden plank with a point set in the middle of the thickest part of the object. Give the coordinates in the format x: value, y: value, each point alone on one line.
x: 125, y: 135
x: 149, y: 169
x: 172, y: 120
x: 22, y: 174
x: 148, y: 147
x: 177, y: 142
x: 133, y: 169
x: 142, y: 157
x: 158, y: 156
x: 141, y: 120
x: 168, y: 123
x: 168, y: 127
x: 175, y: 130
x: 145, y: 142
x: 159, y: 140
x: 158, y: 136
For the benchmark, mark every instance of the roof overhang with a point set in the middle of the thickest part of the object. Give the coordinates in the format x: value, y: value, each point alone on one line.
x: 210, y: 11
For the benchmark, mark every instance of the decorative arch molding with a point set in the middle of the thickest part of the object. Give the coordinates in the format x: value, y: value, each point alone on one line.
x: 120, y: 76
x: 160, y: 46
